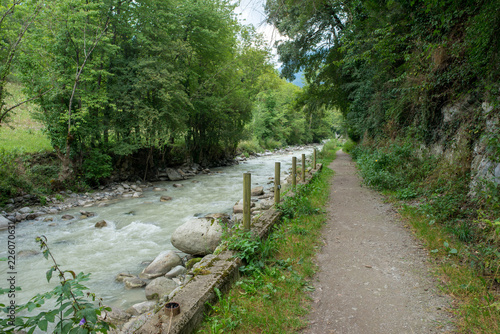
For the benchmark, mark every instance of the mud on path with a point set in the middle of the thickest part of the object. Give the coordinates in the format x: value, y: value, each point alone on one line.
x: 373, y: 274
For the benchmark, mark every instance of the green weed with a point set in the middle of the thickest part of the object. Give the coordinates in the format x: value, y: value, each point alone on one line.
x: 349, y: 146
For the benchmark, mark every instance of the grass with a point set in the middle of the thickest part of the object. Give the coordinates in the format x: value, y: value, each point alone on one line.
x: 460, y: 232
x: 22, y: 133
x: 272, y: 296
x: 477, y: 302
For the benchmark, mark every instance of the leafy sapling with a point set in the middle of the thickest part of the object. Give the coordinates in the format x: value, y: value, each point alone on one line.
x: 75, y: 310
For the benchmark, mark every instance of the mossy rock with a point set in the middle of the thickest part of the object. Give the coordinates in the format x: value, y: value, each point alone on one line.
x: 192, y: 262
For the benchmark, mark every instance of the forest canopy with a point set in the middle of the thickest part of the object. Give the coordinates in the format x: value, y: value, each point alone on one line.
x: 180, y: 80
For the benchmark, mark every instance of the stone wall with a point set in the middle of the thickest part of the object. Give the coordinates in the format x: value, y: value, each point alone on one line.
x: 219, y: 270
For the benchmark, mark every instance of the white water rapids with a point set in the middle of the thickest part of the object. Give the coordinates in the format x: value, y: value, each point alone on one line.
x: 138, y: 230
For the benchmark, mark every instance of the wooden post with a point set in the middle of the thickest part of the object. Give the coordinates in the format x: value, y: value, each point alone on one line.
x: 277, y: 182
x: 247, y: 177
x: 294, y: 171
x: 303, y: 177
x: 314, y: 159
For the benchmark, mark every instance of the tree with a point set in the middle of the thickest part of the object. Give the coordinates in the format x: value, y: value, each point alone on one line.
x: 66, y: 56
x: 16, y: 17
x: 390, y: 65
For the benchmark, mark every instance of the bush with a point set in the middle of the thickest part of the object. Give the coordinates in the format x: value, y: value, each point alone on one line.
x: 299, y: 204
x: 11, y: 182
x: 349, y: 146
x: 96, y: 166
x: 249, y: 147
x: 270, y: 144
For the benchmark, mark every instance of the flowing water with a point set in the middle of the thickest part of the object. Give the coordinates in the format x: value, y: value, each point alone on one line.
x: 138, y: 229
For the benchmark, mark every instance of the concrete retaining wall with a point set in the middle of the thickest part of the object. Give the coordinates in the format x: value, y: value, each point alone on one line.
x: 219, y: 270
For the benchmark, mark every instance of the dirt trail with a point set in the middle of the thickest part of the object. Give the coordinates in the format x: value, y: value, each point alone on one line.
x: 373, y: 274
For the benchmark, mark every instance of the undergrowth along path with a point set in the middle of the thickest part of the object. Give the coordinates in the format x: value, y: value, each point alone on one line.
x: 374, y: 276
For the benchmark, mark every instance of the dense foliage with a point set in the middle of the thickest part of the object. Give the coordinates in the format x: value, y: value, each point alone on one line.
x: 128, y: 75
x: 280, y: 117
x: 390, y: 66
x: 163, y: 80
x: 413, y: 79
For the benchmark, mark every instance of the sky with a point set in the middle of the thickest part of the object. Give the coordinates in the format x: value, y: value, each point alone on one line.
x: 252, y: 12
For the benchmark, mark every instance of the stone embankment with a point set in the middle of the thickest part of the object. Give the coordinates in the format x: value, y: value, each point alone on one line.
x: 188, y: 278
x: 190, y: 284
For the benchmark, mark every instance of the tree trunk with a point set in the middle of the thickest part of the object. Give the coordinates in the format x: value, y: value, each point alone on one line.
x: 66, y: 172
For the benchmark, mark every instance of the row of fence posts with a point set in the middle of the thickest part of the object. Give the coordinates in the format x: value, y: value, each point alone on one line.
x: 247, y: 186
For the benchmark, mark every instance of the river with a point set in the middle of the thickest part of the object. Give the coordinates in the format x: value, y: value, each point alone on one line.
x: 138, y: 229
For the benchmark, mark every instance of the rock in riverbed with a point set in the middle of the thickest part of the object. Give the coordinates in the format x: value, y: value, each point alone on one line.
x: 159, y: 287
x: 197, y: 236
x: 161, y: 265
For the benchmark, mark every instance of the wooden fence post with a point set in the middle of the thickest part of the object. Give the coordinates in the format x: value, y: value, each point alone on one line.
x: 303, y: 176
x: 277, y: 182
x: 247, y: 177
x: 294, y: 171
x: 314, y: 159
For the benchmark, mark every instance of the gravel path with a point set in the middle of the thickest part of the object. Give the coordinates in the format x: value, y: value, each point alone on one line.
x: 373, y: 274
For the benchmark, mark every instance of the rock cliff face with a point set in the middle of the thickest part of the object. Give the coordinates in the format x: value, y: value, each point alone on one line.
x: 468, y: 140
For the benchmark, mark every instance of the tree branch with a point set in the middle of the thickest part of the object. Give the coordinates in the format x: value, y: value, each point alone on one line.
x: 2, y: 116
x: 8, y: 11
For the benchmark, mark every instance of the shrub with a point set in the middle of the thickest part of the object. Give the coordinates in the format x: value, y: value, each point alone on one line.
x: 248, y: 147
x: 12, y: 183
x: 270, y: 144
x: 349, y: 146
x: 96, y: 166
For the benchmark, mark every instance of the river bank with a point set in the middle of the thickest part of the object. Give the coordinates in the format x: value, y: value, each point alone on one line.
x: 28, y: 207
x: 137, y: 230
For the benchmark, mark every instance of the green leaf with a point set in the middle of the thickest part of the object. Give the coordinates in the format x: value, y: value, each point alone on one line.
x: 51, y: 316
x: 453, y: 251
x: 68, y: 312
x: 46, y: 254
x: 48, y: 274
x: 434, y: 250
x: 31, y: 306
x: 446, y: 244
x: 67, y: 327
x: 42, y: 324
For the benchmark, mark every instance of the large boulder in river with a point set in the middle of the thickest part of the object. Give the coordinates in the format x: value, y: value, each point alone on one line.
x: 134, y: 282
x: 174, y: 175
x: 101, y: 224
x: 159, y: 287
x: 198, y: 236
x: 161, y: 265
